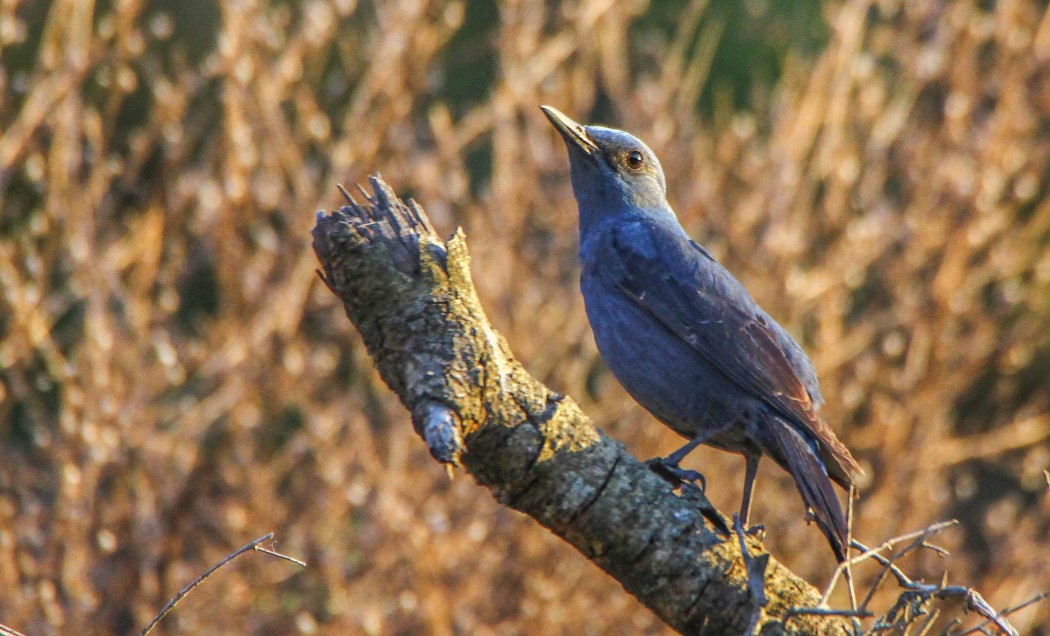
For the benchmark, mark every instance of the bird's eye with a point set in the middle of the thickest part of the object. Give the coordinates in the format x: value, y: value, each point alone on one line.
x: 635, y: 159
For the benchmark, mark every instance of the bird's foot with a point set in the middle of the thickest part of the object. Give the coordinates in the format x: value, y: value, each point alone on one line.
x: 758, y: 531
x: 674, y: 474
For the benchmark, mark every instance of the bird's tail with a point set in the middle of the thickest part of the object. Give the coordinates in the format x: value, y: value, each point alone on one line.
x: 802, y: 459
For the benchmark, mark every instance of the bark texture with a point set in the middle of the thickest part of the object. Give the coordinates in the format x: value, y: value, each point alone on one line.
x: 411, y: 297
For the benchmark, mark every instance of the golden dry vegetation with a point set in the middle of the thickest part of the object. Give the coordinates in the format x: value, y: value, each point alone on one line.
x: 175, y: 380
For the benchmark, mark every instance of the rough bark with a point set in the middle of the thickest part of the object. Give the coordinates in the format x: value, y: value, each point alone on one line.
x: 411, y: 297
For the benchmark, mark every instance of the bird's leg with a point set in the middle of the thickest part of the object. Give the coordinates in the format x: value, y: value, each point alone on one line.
x: 676, y: 457
x: 750, y: 472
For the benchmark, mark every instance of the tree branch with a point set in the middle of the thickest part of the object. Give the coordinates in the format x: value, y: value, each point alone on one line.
x: 411, y: 297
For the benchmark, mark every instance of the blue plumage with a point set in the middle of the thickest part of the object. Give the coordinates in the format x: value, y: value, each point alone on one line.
x: 685, y: 338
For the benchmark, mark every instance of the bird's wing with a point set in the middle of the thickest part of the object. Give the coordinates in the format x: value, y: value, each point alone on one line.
x: 683, y: 287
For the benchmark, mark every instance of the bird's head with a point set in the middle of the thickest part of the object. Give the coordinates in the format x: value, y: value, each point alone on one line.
x: 611, y: 170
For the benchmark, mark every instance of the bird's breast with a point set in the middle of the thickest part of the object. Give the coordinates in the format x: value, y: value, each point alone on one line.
x: 658, y: 369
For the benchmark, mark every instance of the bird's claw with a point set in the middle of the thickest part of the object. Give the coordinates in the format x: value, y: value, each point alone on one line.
x: 758, y: 530
x: 676, y: 475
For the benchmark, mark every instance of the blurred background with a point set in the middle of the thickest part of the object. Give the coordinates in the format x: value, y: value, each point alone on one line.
x: 175, y: 381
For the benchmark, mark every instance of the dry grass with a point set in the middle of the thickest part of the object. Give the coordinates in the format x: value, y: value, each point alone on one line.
x: 175, y: 381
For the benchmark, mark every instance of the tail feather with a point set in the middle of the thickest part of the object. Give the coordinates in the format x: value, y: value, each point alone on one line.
x: 801, y: 457
x: 837, y: 459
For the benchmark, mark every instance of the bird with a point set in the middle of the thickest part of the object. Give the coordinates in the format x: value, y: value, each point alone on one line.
x: 685, y: 339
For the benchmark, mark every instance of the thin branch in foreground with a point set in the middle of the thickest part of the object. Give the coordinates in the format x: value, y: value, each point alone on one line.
x: 924, y: 591
x: 916, y: 594
x: 848, y: 568
x: 928, y: 625
x: 281, y: 556
x: 1010, y: 610
x: 872, y: 553
x: 254, y: 545
x: 890, y: 566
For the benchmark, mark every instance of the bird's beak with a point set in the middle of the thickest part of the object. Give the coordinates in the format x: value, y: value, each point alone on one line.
x: 574, y: 134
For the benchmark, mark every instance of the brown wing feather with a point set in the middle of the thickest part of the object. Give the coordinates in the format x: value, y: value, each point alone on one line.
x: 795, y: 399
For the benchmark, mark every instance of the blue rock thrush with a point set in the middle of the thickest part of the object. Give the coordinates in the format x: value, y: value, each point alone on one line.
x: 685, y: 338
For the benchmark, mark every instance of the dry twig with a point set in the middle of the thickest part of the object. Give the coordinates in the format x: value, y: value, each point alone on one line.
x: 1010, y: 610
x: 871, y: 553
x: 254, y: 545
x: 917, y: 594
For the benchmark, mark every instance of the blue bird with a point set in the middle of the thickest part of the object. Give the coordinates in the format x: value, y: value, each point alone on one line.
x: 685, y: 338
